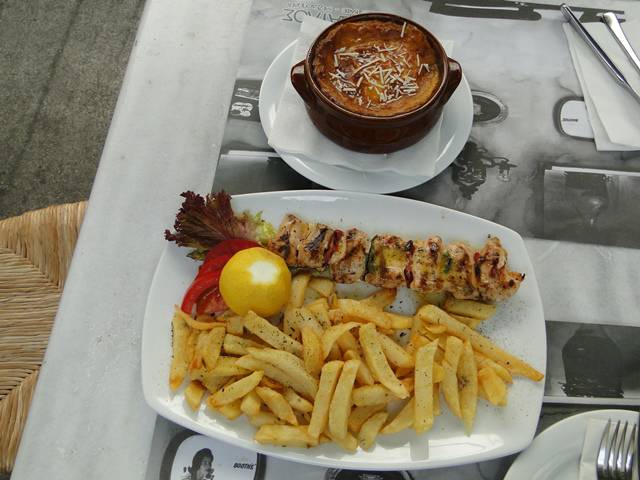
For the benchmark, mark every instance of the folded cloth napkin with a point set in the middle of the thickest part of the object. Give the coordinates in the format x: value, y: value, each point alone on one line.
x: 294, y: 133
x: 614, y: 114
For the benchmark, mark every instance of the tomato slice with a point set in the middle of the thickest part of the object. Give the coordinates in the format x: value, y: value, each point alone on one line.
x: 214, y: 264
x: 199, y: 287
x: 210, y: 302
x: 229, y: 247
x: 203, y: 292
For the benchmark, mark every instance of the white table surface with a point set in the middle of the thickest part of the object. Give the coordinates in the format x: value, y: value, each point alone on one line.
x: 88, y: 418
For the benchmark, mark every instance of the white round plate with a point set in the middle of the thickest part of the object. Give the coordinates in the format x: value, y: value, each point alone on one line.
x: 555, y: 453
x: 455, y: 130
x: 518, y: 326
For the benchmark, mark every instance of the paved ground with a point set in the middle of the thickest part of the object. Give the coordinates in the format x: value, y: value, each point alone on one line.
x: 61, y: 66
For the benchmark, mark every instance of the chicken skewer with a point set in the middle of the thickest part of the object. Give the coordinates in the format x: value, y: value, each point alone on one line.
x: 389, y: 261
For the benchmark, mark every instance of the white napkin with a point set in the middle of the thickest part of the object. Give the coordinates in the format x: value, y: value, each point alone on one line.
x: 614, y: 114
x: 294, y: 133
x: 593, y: 434
x: 590, y: 447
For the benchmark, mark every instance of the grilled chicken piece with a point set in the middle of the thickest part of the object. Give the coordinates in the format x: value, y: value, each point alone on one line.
x: 347, y: 255
x: 425, y: 265
x: 311, y: 251
x: 495, y: 281
x: 388, y: 258
x: 289, y: 237
x: 457, y: 269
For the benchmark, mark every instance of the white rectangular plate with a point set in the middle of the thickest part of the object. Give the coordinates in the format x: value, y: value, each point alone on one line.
x: 518, y: 326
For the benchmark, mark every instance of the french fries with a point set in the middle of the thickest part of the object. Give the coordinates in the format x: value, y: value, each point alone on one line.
x: 250, y: 404
x: 333, y: 333
x: 370, y: 342
x: 359, y: 415
x: 285, y: 436
x: 348, y: 443
x: 235, y: 325
x: 273, y: 375
x: 362, y: 312
x: 400, y: 322
x: 230, y: 410
x: 347, y: 342
x: 236, y: 390
x: 320, y: 310
x: 324, y: 286
x: 298, y: 289
x: 180, y: 359
x: 452, y: 353
x: 334, y: 369
x: 193, y: 394
x: 196, y: 324
x: 364, y: 376
x: 234, y: 345
x: 291, y: 366
x: 298, y: 318
x: 397, y: 356
x: 341, y: 402
x: 482, y: 344
x: 423, y: 406
x: 370, y: 428
x: 469, y: 308
x: 320, y: 414
x: 297, y: 402
x: 227, y: 367
x: 277, y: 404
x: 493, y: 387
x: 270, y: 334
x: 263, y: 418
x: 372, y: 395
x: 468, y: 379
x: 312, y: 351
x: 404, y: 419
x: 502, y: 372
x: 381, y: 299
x: 468, y: 321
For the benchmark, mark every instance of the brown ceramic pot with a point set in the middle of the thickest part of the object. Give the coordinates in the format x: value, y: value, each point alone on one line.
x: 374, y: 134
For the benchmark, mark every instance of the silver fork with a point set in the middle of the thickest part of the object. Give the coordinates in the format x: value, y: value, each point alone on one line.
x: 617, y: 452
x: 612, y: 22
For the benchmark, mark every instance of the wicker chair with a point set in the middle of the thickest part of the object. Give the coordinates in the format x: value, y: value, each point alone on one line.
x: 35, y: 253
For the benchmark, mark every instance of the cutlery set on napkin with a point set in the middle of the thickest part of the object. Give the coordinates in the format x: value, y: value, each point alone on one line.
x: 603, y: 67
x: 609, y: 450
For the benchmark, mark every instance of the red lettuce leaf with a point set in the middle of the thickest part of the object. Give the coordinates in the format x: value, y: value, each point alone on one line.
x: 202, y: 222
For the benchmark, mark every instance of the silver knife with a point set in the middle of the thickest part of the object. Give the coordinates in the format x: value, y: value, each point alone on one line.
x: 597, y: 50
x: 615, y: 28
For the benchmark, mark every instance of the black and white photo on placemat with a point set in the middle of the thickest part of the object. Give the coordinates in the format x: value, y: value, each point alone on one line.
x: 592, y: 363
x: 191, y: 456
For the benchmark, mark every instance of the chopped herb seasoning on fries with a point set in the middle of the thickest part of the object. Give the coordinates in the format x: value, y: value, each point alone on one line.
x: 297, y: 394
